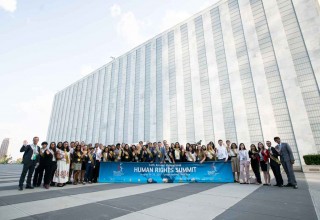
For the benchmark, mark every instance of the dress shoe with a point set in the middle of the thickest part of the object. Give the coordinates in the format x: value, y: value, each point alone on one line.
x: 20, y: 188
x: 29, y: 187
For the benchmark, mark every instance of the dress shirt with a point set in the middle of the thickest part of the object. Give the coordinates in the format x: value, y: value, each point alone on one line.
x: 222, y: 152
x: 244, y: 155
x: 98, y: 154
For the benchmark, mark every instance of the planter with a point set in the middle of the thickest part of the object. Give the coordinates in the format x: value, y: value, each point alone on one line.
x: 311, y: 168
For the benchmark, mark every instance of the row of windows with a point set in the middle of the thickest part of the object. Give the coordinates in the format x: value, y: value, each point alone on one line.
x: 172, y: 87
x: 302, y: 63
x: 111, y: 104
x: 255, y: 130
x: 203, y: 72
x: 127, y: 98
x: 159, y: 112
x: 273, y: 75
x: 136, y: 96
x: 187, y: 83
x: 118, y: 106
x: 147, y: 92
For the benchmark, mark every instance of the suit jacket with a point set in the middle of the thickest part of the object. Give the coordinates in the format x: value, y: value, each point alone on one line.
x: 285, y: 152
x: 274, y: 154
x: 28, y: 154
x: 163, y: 153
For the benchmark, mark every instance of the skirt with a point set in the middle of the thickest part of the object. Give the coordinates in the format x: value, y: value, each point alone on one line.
x: 264, y: 166
x: 77, y: 166
x: 235, y: 164
x: 62, y: 172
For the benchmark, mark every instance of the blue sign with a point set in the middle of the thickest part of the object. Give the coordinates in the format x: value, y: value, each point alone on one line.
x: 131, y: 172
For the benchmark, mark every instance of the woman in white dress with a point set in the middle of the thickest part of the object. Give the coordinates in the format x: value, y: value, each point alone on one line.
x: 61, y: 176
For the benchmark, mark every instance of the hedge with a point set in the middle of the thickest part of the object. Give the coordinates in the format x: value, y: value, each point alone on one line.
x: 312, y: 159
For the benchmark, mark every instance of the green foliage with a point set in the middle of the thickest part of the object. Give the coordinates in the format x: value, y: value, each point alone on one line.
x: 312, y: 159
x: 5, y: 159
x: 19, y: 161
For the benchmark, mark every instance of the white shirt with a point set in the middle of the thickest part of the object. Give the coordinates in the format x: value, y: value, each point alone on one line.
x: 222, y: 152
x: 98, y: 154
x: 35, y: 151
x: 232, y: 153
x: 244, y: 155
x: 191, y: 157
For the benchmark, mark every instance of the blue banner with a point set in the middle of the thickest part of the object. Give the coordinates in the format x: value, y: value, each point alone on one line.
x: 130, y: 172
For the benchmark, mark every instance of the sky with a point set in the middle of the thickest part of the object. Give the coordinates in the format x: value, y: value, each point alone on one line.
x: 47, y: 45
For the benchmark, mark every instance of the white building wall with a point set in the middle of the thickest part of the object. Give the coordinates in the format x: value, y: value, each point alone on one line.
x: 131, y: 100
x: 104, y: 107
x: 105, y: 104
x: 181, y: 111
x: 196, y: 93
x: 153, y: 95
x: 165, y: 89
x: 141, y: 134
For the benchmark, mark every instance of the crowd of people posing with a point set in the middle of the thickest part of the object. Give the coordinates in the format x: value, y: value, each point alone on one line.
x: 58, y: 164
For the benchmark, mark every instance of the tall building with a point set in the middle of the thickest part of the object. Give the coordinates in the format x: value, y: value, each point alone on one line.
x: 243, y: 70
x: 4, y: 147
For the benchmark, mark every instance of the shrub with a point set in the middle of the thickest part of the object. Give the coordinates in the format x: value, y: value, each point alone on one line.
x: 5, y: 159
x: 312, y: 159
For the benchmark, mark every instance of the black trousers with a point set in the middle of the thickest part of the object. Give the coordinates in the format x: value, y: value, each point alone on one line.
x: 256, y: 169
x: 277, y: 173
x: 96, y: 171
x: 47, y: 174
x: 53, y: 167
x: 38, y: 175
x: 70, y: 170
x: 28, y: 167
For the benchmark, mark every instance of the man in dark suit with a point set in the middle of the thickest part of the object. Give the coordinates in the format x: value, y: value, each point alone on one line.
x: 30, y: 160
x: 287, y: 161
x: 275, y: 164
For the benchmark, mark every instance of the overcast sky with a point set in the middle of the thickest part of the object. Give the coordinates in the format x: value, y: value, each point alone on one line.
x: 46, y: 45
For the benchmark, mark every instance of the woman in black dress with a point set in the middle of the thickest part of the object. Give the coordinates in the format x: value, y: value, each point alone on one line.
x: 53, y: 164
x: 126, y: 154
x: 255, y: 162
x: 49, y: 162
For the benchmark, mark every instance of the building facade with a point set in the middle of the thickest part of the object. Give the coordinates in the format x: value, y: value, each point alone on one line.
x: 243, y: 70
x: 4, y: 147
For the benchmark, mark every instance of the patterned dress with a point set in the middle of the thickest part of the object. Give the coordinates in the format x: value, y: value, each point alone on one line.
x: 63, y: 164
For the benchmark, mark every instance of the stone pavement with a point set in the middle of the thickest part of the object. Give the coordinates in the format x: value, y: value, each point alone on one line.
x: 158, y: 201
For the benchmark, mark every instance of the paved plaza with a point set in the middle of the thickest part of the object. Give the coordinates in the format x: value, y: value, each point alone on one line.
x: 159, y: 201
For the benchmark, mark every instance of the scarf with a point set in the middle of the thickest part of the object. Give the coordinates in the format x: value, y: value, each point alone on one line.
x: 66, y: 156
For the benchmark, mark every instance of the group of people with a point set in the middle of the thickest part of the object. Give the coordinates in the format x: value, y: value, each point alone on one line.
x: 58, y: 164
x: 262, y: 158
